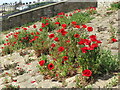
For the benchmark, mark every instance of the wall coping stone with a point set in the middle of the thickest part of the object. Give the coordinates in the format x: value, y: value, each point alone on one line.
x: 34, y: 9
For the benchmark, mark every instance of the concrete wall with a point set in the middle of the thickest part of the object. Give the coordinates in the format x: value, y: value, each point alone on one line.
x: 48, y: 11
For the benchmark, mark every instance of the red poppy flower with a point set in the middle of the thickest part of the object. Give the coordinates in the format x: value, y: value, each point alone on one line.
x: 74, y: 12
x: 81, y: 42
x: 87, y: 42
x: 32, y: 40
x: 11, y: 33
x: 97, y: 41
x: 60, y: 49
x: 43, y: 26
x: 29, y: 64
x: 65, y: 58
x: 64, y: 25
x: 5, y: 44
x: 94, y: 45
x: 14, y: 80
x: 93, y: 37
x: 50, y: 66
x: 84, y: 26
x: 76, y: 35
x: 90, y: 48
x: 61, y: 17
x: 37, y: 33
x: 70, y: 14
x: 6, y: 39
x: 67, y: 41
x: 17, y: 28
x: 47, y: 24
x: 57, y: 75
x: 34, y: 26
x: 47, y: 20
x: 17, y: 32
x: 6, y: 73
x: 64, y: 33
x: 53, y: 45
x: 33, y: 81
x: 26, y: 38
x: 2, y: 47
x: 14, y: 42
x: 36, y: 37
x: 24, y: 28
x: 78, y: 10
x: 74, y: 23
x: 15, y: 36
x: 40, y: 29
x: 42, y: 62
x: 87, y: 73
x: 66, y: 15
x: 55, y: 59
x: 62, y: 13
x: 57, y: 23
x: 51, y: 35
x: 61, y: 30
x: 84, y: 49
x: 8, y: 43
x: 6, y: 36
x: 89, y: 29
x: 114, y: 40
x: 56, y: 39
x: 77, y: 26
x: 32, y: 33
x: 44, y: 17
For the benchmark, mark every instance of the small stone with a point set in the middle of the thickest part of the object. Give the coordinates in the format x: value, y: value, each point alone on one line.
x: 94, y: 86
x: 22, y: 78
x: 71, y: 85
x: 17, y: 58
x: 26, y: 58
x: 49, y: 84
x: 39, y: 78
x: 72, y: 79
x: 28, y: 83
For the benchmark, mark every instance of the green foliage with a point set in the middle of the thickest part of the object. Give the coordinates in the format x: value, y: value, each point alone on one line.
x: 73, y: 57
x: 63, y: 20
x: 7, y: 50
x: 2, y: 42
x: 50, y: 27
x: 81, y: 18
x: 116, y: 5
x: 108, y: 62
x: 113, y: 82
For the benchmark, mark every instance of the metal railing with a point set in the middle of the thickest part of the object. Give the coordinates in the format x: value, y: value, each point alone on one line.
x: 23, y: 9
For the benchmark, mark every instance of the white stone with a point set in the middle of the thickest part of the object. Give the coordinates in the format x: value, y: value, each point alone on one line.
x: 49, y: 84
x: 39, y: 78
x: 71, y: 79
x: 22, y: 78
x: 71, y: 85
